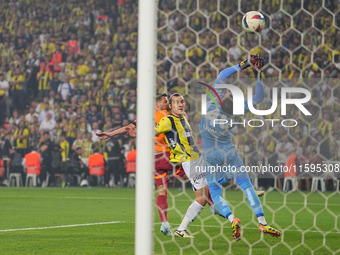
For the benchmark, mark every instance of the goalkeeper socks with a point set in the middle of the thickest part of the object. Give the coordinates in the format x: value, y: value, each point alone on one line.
x: 162, y: 206
x: 216, y: 195
x: 262, y: 220
x: 243, y: 181
x: 231, y: 218
x: 192, y: 213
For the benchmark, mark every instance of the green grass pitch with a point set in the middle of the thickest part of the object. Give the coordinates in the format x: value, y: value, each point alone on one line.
x: 101, y: 221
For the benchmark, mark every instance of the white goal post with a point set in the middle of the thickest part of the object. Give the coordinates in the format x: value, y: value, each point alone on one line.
x: 146, y: 80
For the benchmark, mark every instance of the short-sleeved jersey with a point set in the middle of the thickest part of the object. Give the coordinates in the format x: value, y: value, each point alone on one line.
x: 178, y: 136
x: 160, y: 144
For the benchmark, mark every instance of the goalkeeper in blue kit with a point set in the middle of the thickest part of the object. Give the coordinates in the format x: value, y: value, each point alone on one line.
x: 218, y: 149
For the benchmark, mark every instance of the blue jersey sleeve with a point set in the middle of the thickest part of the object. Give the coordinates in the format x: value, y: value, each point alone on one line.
x: 228, y: 72
x: 258, y: 97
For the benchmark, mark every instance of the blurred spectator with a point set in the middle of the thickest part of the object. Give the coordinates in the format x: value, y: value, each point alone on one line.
x: 48, y: 124
x: 20, y: 138
x: 42, y: 106
x: 93, y: 114
x: 95, y: 130
x: 17, y: 88
x: 87, y: 146
x: 29, y: 115
x: 44, y: 77
x: 15, y: 163
x: 79, y: 140
x: 4, y: 98
x: 45, y: 112
x: 72, y: 45
x: 66, y: 89
x: 131, y: 163
x: 76, y: 167
x: 56, y: 164
x: 14, y: 119
x: 83, y: 126
x: 5, y: 143
x: 97, y: 166
x: 2, y: 172
x: 55, y: 82
x: 65, y: 148
x: 46, y: 163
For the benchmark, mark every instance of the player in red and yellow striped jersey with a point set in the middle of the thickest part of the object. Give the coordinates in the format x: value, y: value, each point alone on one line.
x: 162, y: 164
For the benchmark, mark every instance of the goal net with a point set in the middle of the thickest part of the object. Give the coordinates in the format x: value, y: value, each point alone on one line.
x: 196, y: 40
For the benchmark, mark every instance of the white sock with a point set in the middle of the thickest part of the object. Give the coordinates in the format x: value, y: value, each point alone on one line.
x: 262, y: 220
x: 231, y: 218
x: 166, y: 224
x: 192, y: 213
x: 213, y: 209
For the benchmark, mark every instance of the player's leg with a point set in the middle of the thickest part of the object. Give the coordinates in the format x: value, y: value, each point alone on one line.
x: 259, y: 193
x: 213, y: 209
x: 215, y: 180
x: 162, y: 204
x: 215, y: 187
x: 242, y: 179
x: 162, y: 166
x: 199, y: 185
x: 193, y: 211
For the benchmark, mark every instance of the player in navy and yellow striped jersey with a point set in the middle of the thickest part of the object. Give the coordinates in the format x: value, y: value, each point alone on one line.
x: 183, y: 153
x: 183, y: 150
x: 178, y: 137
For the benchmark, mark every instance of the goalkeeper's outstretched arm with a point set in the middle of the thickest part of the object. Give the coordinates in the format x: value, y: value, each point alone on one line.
x: 226, y: 73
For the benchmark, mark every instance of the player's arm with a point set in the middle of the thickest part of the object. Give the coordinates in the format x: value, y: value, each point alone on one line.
x: 129, y: 129
x: 259, y: 89
x: 163, y: 126
x: 259, y: 92
x: 226, y: 73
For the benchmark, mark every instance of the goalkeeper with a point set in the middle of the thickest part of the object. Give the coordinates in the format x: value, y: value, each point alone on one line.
x: 219, y: 136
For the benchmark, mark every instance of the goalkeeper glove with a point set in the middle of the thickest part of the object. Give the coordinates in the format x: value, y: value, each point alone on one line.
x: 257, y: 66
x: 246, y: 63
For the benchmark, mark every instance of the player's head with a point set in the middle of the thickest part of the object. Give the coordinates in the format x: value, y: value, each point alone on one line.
x: 162, y: 102
x: 177, y: 104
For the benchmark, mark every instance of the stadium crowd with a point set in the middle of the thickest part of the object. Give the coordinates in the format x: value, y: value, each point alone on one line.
x: 68, y: 69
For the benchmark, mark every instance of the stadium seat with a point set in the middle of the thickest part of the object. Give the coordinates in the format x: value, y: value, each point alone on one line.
x: 15, y: 179
x: 290, y: 181
x: 315, y: 182
x: 32, y: 180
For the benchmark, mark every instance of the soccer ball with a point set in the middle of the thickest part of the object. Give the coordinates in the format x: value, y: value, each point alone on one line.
x: 253, y: 21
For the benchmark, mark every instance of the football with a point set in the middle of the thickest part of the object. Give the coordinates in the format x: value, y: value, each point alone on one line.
x: 253, y: 21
